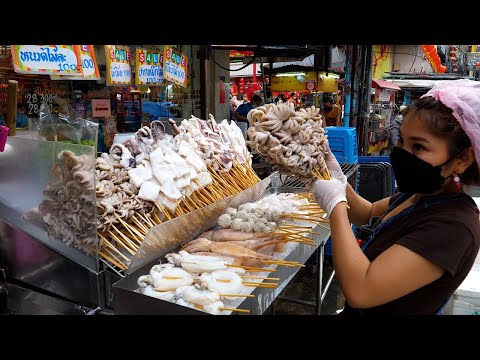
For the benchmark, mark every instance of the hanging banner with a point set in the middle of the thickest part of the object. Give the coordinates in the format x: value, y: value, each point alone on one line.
x: 47, y: 59
x: 175, y: 66
x: 149, y: 67
x: 119, y: 69
x: 89, y: 66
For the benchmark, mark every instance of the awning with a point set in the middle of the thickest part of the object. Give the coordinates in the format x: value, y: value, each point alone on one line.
x: 418, y: 83
x: 385, y: 84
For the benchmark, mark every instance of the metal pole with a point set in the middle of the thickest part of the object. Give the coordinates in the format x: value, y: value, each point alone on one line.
x: 264, y: 84
x: 368, y: 80
x: 12, y: 96
x: 205, y: 82
x: 347, y: 88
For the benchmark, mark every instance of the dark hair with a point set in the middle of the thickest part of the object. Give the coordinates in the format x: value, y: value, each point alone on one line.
x: 256, y: 98
x: 328, y: 99
x: 441, y: 122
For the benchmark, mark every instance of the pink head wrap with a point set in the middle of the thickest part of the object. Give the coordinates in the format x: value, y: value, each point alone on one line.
x: 463, y: 97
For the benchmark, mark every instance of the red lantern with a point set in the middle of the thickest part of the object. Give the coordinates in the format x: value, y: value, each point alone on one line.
x: 242, y: 86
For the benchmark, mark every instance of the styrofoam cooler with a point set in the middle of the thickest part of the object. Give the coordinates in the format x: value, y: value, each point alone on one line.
x: 469, y: 289
x: 464, y: 308
x: 343, y: 143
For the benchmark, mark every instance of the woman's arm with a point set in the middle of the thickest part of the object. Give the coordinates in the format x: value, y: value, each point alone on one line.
x: 394, y: 273
x: 361, y: 210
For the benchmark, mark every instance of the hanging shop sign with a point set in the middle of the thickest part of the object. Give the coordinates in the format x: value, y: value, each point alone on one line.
x: 473, y: 61
x: 175, y: 66
x: 119, y: 69
x: 89, y: 66
x: 149, y: 67
x: 47, y: 59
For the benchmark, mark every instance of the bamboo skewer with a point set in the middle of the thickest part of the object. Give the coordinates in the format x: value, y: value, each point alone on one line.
x: 113, y: 247
x: 126, y: 245
x: 117, y: 264
x: 133, y: 239
x: 157, y: 218
x: 235, y: 310
x: 129, y: 228
x: 141, y: 226
x: 260, y: 285
x: 224, y: 308
x: 237, y: 295
x: 113, y: 256
x: 259, y: 277
x: 251, y: 268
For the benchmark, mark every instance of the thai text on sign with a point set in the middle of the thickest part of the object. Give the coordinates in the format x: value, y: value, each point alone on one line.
x: 47, y: 59
x: 149, y: 67
x: 88, y: 64
x: 175, y: 66
x: 119, y: 70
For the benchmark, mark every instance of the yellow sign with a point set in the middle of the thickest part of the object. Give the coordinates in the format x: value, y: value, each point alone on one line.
x: 300, y: 83
x: 175, y: 66
x: 119, y: 69
x: 382, y: 60
x: 149, y: 67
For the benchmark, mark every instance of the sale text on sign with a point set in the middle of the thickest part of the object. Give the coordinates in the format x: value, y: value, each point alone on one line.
x: 119, y: 70
x: 149, y: 67
x: 175, y: 66
x: 47, y: 59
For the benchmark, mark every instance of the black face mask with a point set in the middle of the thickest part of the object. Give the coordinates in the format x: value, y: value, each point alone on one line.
x: 415, y: 175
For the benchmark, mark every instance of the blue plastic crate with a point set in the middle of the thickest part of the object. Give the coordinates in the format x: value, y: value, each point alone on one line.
x: 373, y: 159
x: 343, y: 143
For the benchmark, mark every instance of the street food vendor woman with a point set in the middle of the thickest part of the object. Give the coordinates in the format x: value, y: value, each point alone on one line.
x: 419, y: 244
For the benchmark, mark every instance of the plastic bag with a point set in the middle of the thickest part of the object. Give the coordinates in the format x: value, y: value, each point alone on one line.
x: 64, y: 124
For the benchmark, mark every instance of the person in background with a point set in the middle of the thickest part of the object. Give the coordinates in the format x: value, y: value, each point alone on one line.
x: 331, y: 113
x: 293, y: 99
x: 421, y: 243
x: 233, y: 105
x: 280, y: 97
x: 241, y: 114
x: 395, y: 126
x: 21, y: 121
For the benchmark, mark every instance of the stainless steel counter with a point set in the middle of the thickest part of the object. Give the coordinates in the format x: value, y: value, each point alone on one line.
x: 128, y: 301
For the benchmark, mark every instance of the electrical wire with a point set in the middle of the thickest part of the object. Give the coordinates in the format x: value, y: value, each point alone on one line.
x: 227, y: 69
x: 415, y: 58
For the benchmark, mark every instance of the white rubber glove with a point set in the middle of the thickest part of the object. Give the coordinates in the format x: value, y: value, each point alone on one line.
x: 328, y: 193
x: 333, y: 165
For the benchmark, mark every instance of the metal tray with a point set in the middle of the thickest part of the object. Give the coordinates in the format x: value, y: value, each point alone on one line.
x: 128, y: 301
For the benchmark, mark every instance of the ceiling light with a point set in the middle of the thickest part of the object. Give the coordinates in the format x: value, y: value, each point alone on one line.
x: 291, y: 74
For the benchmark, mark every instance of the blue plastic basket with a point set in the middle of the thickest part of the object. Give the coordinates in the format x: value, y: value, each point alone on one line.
x: 343, y: 143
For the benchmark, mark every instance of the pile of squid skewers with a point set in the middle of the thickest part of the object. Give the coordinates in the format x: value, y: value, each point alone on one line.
x: 165, y: 177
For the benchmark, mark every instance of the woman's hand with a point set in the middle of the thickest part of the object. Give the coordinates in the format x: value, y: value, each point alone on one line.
x: 328, y: 193
x: 333, y: 165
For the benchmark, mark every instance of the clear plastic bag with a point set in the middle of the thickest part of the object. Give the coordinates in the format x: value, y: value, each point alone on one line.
x: 64, y: 125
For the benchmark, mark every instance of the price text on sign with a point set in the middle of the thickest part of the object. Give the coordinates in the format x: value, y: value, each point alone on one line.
x: 47, y: 59
x: 119, y: 70
x: 34, y: 101
x: 175, y: 67
x: 149, y: 67
x: 88, y: 64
